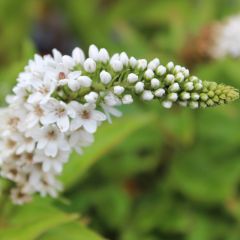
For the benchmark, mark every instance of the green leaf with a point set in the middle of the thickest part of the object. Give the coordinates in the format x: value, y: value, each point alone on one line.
x: 107, y: 137
x: 30, y: 221
x: 71, y: 231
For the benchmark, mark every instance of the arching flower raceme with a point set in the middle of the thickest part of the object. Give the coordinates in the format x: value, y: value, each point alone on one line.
x: 59, y: 102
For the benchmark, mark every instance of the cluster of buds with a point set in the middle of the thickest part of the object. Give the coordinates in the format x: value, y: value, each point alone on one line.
x: 59, y: 101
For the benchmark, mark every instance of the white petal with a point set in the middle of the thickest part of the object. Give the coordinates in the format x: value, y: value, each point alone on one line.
x: 51, y: 149
x: 90, y: 126
x: 46, y: 166
x: 98, y: 116
x: 76, y: 123
x: 58, y: 167
x: 63, y: 123
x: 48, y: 119
x: 42, y: 142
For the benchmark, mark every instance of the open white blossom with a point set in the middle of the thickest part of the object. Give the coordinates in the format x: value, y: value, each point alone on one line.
x: 226, y: 38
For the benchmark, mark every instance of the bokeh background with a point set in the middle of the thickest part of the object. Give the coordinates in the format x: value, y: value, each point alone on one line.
x: 154, y: 174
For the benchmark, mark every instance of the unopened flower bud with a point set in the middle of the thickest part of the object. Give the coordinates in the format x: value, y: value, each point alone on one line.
x: 91, y: 97
x: 105, y: 77
x: 133, y: 62
x: 147, y: 95
x: 149, y: 74
x: 132, y: 78
x: 161, y: 70
x: 167, y: 104
x: 139, y: 87
x: 127, y: 99
x: 185, y: 96
x: 116, y: 65
x: 103, y: 55
x: 153, y: 64
x: 155, y: 83
x: 118, y: 90
x: 174, y: 87
x: 89, y: 65
x: 169, y: 79
x: 124, y: 58
x: 172, y: 97
x: 159, y: 93
x: 85, y: 81
x: 142, y: 64
x: 93, y: 52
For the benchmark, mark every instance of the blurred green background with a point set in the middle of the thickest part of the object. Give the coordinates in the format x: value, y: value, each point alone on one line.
x: 154, y: 174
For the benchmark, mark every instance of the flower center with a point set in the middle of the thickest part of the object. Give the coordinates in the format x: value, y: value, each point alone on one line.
x: 61, y: 75
x: 61, y: 112
x: 29, y: 157
x: 51, y: 135
x: 11, y: 143
x: 44, y: 90
x: 13, y: 122
x: 85, y: 114
x: 38, y: 111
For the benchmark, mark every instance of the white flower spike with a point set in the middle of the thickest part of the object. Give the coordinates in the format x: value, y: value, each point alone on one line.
x: 59, y: 101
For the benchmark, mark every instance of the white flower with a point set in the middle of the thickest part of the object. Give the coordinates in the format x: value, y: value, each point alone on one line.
x: 34, y: 115
x: 49, y: 163
x: 105, y: 77
x: 56, y: 112
x: 25, y: 144
x: 19, y: 197
x: 108, y: 110
x: 90, y: 65
x: 79, y: 139
x: 42, y: 90
x: 149, y: 74
x: 226, y: 38
x: 111, y: 99
x: 51, y: 140
x: 86, y: 116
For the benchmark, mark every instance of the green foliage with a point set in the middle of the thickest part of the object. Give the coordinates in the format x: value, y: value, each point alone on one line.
x: 154, y: 174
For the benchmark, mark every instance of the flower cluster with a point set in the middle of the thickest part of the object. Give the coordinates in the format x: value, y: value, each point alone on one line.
x: 59, y: 101
x: 226, y: 38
